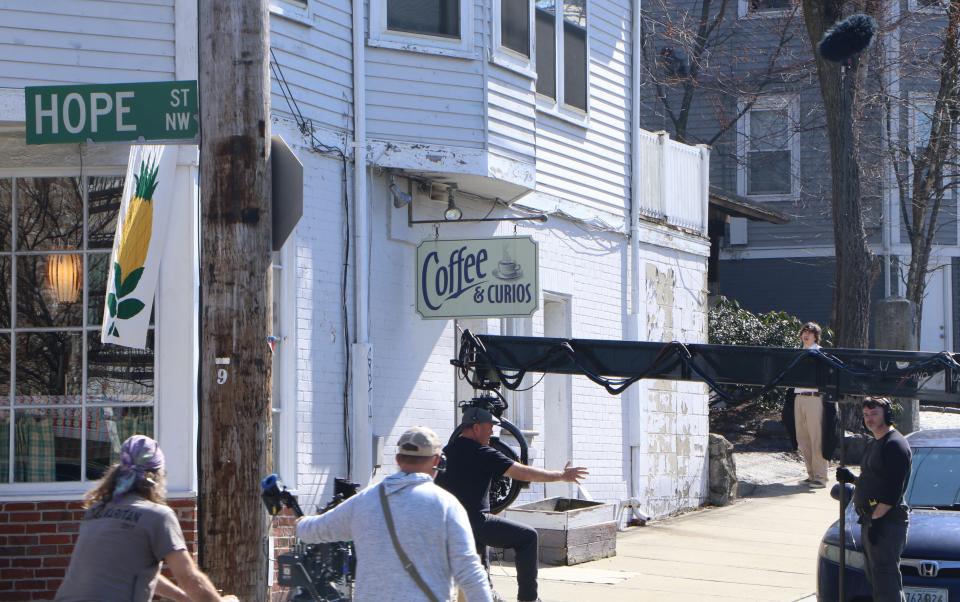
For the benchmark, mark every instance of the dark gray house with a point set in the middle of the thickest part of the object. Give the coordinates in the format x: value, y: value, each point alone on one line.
x: 744, y: 81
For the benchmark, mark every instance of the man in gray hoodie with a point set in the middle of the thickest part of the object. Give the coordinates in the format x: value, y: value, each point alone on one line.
x: 430, y: 525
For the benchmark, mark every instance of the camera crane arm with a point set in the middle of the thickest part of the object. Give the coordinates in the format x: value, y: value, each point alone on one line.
x: 489, y: 361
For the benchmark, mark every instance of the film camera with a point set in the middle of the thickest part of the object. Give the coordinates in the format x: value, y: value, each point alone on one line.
x: 321, y: 572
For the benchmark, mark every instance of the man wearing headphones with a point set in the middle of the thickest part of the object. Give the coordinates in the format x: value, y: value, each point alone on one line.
x: 878, y: 499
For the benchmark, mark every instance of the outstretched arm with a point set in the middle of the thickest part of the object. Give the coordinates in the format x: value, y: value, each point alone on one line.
x: 569, y: 474
x: 168, y: 589
x: 333, y: 525
x: 191, y: 579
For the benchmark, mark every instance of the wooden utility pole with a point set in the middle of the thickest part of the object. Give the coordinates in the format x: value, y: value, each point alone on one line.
x: 235, y: 307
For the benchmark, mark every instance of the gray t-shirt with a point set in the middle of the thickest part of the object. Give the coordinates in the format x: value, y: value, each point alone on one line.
x: 118, y: 553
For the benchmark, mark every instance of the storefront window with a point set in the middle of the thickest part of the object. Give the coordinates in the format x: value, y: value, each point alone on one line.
x: 67, y: 401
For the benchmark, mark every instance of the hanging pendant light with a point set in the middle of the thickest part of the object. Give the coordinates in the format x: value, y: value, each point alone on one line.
x: 63, y: 274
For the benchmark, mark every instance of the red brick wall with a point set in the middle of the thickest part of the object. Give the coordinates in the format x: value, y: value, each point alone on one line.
x: 284, y: 534
x: 36, y: 540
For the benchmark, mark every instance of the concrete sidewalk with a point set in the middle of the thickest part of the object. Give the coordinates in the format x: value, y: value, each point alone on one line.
x: 760, y: 548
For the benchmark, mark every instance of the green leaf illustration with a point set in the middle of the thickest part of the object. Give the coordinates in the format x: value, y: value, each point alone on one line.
x: 130, y: 283
x: 113, y: 330
x: 116, y: 277
x: 129, y: 308
x: 112, y: 305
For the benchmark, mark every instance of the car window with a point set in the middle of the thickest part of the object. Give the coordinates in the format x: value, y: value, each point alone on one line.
x: 935, y: 477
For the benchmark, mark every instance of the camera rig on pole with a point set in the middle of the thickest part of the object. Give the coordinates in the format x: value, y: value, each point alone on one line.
x: 488, y: 362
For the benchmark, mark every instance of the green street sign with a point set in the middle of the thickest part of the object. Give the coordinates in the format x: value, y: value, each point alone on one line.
x: 112, y: 112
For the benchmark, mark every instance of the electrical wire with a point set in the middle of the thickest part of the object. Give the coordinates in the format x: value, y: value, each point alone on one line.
x: 309, y: 132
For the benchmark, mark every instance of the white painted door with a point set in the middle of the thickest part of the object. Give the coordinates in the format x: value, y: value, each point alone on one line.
x: 936, y: 314
x: 557, y: 422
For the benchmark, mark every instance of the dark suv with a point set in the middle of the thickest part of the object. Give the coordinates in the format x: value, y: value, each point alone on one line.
x: 931, y: 559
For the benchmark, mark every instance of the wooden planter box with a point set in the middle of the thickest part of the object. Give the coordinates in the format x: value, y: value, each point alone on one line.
x: 571, y: 531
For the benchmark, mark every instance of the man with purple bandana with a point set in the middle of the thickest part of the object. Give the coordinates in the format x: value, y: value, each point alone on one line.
x: 127, y: 531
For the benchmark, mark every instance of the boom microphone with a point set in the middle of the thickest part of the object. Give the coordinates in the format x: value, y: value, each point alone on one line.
x: 847, y: 38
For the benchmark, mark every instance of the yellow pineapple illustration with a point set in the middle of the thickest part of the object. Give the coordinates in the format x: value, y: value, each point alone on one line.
x: 134, y: 242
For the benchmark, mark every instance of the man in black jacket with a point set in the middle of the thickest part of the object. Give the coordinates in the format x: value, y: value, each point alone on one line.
x: 471, y: 466
x: 878, y: 499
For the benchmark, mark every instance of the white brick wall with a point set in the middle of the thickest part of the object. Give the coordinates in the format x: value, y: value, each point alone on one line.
x: 413, y: 382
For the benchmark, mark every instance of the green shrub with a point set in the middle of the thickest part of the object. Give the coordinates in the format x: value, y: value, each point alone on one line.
x: 730, y: 324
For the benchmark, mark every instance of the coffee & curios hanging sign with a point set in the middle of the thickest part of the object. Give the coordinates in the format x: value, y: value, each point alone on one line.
x: 477, y: 278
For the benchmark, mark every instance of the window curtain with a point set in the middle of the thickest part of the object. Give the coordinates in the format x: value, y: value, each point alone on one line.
x: 4, y: 449
x: 35, y: 453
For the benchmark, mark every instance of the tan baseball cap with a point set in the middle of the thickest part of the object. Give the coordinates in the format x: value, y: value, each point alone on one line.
x: 419, y: 441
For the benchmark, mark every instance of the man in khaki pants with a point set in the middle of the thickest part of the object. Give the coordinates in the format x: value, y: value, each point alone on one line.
x: 808, y: 419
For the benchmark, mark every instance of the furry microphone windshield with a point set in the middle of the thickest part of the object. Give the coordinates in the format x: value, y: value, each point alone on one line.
x: 848, y: 38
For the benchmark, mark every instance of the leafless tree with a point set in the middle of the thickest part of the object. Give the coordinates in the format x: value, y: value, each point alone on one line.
x: 923, y: 157
x: 840, y: 89
x: 679, y: 44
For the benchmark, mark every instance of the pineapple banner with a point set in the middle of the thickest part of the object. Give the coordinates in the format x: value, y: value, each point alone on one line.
x: 137, y: 246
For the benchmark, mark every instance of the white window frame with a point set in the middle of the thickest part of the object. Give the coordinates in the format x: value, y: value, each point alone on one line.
x: 520, y: 412
x: 174, y: 398
x: 507, y: 57
x: 744, y: 12
x: 558, y: 108
x: 918, y: 101
x: 285, y: 373
x: 792, y: 104
x: 300, y: 11
x: 382, y: 37
x: 915, y: 7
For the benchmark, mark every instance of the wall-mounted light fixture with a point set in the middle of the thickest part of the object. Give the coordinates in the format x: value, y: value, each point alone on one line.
x: 64, y: 274
x: 400, y: 198
x: 452, y: 214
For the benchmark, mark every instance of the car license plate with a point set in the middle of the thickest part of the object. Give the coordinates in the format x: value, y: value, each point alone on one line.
x: 925, y: 594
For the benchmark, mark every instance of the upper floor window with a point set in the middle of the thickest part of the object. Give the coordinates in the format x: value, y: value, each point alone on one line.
x: 928, y: 6
x: 921, y: 121
x: 296, y: 10
x: 427, y: 17
x: 764, y: 8
x: 768, y: 150
x: 431, y: 26
x: 920, y: 135
x: 514, y: 27
x: 562, y: 52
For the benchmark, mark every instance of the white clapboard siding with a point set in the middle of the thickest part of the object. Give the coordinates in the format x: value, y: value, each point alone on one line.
x: 511, y: 114
x: 424, y: 98
x: 402, y: 87
x: 591, y: 165
x: 70, y: 42
x: 317, y: 63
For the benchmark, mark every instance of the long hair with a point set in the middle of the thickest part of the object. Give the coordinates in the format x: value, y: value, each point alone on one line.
x: 153, y: 488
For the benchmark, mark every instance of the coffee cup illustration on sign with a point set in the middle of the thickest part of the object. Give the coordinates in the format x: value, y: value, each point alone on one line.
x: 507, y: 268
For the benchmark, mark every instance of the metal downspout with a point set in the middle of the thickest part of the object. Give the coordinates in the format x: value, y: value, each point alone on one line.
x: 361, y: 408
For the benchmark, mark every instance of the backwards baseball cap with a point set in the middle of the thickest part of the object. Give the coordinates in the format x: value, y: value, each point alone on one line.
x: 473, y: 416
x: 419, y: 441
